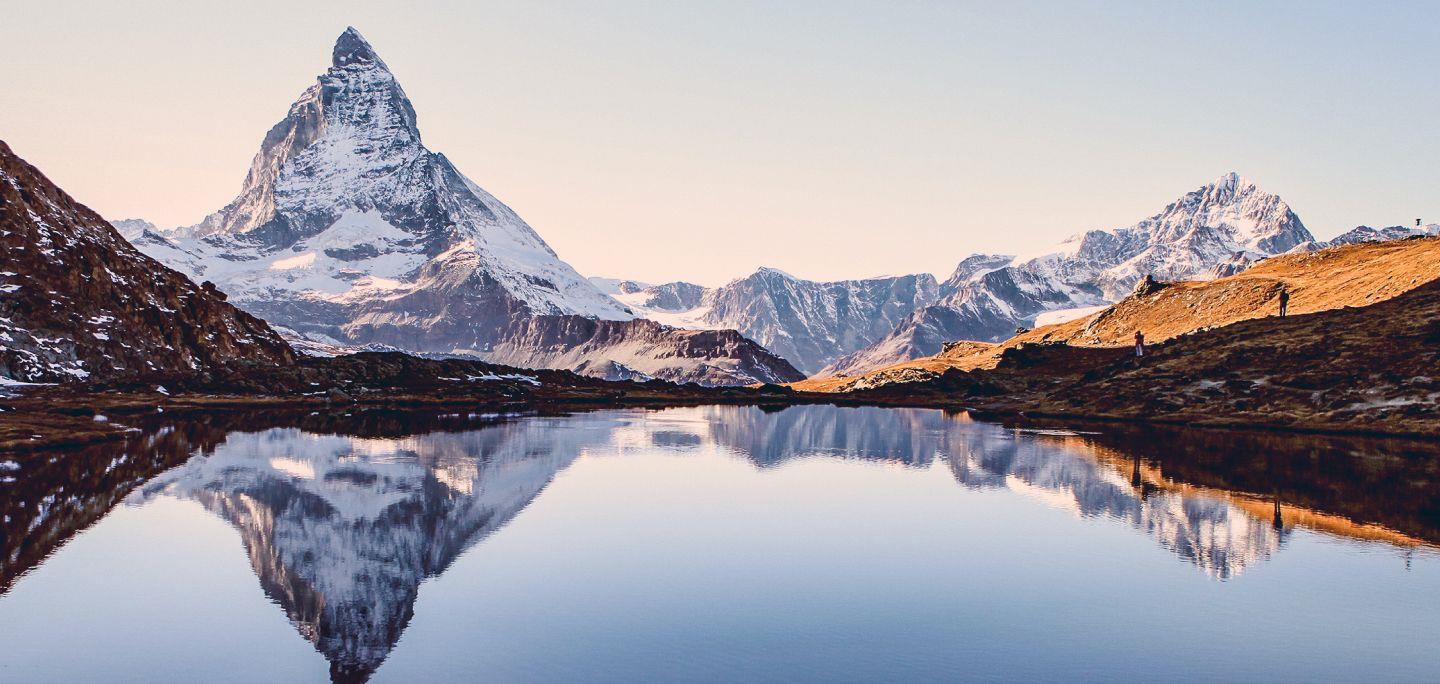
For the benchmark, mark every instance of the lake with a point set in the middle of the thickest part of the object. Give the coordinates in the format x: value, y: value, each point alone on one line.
x: 813, y: 543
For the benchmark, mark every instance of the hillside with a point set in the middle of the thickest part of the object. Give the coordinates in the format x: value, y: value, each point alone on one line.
x: 1347, y: 276
x: 1354, y: 369
x: 81, y: 303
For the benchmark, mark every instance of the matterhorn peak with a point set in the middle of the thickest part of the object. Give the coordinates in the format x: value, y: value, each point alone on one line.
x: 352, y: 48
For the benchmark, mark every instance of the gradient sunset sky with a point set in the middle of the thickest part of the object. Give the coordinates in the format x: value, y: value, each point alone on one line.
x: 675, y: 140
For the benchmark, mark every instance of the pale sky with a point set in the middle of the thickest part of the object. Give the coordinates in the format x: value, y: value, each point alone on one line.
x: 675, y: 140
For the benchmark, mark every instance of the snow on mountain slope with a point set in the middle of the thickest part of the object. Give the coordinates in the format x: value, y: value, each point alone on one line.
x: 1186, y: 240
x: 348, y: 227
x: 615, y: 286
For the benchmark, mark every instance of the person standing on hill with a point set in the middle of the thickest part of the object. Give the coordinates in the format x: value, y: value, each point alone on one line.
x: 1139, y: 345
x: 1284, y: 301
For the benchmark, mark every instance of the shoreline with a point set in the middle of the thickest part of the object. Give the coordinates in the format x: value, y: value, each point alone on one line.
x: 58, y: 417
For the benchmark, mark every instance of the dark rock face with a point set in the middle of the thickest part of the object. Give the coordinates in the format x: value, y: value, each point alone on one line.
x: 79, y: 302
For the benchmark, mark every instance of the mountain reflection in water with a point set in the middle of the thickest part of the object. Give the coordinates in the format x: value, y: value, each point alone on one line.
x: 341, y: 528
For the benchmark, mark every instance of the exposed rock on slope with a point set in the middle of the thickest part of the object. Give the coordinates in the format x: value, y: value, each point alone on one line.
x: 77, y: 301
x: 1184, y: 241
x: 348, y: 227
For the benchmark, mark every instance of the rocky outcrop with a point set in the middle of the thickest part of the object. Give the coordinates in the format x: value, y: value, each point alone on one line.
x: 78, y: 302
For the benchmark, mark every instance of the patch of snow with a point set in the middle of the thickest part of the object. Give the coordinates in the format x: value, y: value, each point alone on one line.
x: 1064, y: 315
x: 303, y: 261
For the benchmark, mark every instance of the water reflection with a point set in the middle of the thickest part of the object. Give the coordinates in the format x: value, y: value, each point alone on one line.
x: 342, y: 530
x: 344, y: 516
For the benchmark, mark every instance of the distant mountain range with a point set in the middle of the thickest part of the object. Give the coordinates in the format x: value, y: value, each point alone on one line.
x: 351, y: 233
x: 848, y: 327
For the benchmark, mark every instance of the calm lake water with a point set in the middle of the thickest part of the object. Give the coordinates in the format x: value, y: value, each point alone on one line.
x: 717, y: 544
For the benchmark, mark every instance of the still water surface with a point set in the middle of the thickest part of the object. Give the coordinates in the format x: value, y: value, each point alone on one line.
x: 717, y: 543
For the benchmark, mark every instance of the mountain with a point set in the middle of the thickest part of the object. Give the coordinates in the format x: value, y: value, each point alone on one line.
x: 348, y: 227
x: 1343, y: 277
x: 1368, y: 234
x: 987, y: 300
x: 669, y: 297
x: 813, y: 323
x: 82, y: 303
x: 809, y: 323
x: 1352, y: 355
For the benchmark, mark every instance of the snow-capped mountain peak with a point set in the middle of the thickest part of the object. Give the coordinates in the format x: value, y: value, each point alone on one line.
x: 343, y: 194
x: 348, y: 229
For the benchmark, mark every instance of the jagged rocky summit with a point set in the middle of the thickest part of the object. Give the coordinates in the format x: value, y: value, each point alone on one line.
x: 349, y: 230
x: 78, y: 302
